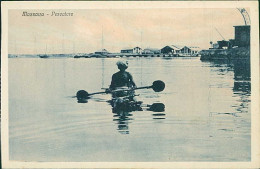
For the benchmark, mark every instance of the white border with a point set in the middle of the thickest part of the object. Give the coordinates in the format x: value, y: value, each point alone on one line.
x: 255, y: 132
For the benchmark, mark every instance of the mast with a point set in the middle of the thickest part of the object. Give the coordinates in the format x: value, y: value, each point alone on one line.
x: 102, y: 43
x: 141, y: 58
x: 103, y: 69
x: 73, y: 47
x: 141, y: 39
x: 15, y: 47
x: 35, y: 45
x: 63, y: 43
x: 46, y: 49
x: 220, y: 33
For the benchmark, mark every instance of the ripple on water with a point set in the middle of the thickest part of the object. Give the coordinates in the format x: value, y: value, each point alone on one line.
x: 207, y: 114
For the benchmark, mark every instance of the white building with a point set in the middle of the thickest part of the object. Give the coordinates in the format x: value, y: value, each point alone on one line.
x: 189, y: 50
x: 135, y: 50
x: 102, y: 52
x: 181, y: 50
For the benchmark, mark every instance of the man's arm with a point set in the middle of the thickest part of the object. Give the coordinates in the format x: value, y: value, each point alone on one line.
x: 112, y: 85
x: 132, y: 81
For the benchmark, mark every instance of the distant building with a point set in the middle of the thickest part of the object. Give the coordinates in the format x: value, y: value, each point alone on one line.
x: 189, y: 50
x: 151, y: 51
x: 232, y: 42
x: 242, y: 39
x: 215, y: 45
x: 102, y: 52
x: 224, y: 44
x: 182, y: 50
x: 242, y: 35
x: 172, y: 49
x: 136, y: 50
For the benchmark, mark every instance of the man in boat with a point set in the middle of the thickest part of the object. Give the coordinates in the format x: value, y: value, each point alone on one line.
x: 122, y: 80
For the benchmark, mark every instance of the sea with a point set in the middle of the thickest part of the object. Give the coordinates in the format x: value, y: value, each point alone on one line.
x: 207, y: 114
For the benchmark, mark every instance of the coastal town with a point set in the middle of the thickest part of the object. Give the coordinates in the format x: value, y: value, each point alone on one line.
x: 237, y: 47
x: 167, y: 51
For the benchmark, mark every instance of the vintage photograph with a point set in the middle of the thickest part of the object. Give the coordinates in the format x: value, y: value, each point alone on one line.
x: 154, y: 84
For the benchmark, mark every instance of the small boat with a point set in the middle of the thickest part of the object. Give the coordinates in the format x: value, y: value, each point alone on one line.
x: 123, y: 98
x: 129, y: 104
x: 82, y: 56
x: 43, y: 56
x: 125, y: 104
x: 77, y: 56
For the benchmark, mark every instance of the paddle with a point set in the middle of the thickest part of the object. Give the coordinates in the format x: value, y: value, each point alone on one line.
x: 157, y: 86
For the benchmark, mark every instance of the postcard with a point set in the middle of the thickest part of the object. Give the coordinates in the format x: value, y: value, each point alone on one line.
x: 130, y: 84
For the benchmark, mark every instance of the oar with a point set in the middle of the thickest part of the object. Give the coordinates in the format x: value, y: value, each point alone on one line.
x: 82, y: 94
x: 157, y: 86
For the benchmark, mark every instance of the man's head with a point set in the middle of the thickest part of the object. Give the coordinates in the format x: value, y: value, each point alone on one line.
x: 122, y: 65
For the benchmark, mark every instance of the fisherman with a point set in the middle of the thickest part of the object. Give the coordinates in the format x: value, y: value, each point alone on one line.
x: 121, y: 79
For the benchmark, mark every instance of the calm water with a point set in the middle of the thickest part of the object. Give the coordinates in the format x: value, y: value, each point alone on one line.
x: 206, y: 117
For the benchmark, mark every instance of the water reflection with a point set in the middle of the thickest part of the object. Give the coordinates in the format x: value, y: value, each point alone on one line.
x: 122, y: 109
x: 242, y: 69
x: 242, y: 82
x: 156, y: 107
x: 188, y: 100
x: 159, y: 116
x: 123, y: 117
x: 242, y: 86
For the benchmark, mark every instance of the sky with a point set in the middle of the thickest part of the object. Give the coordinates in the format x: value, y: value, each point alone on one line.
x: 122, y: 28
